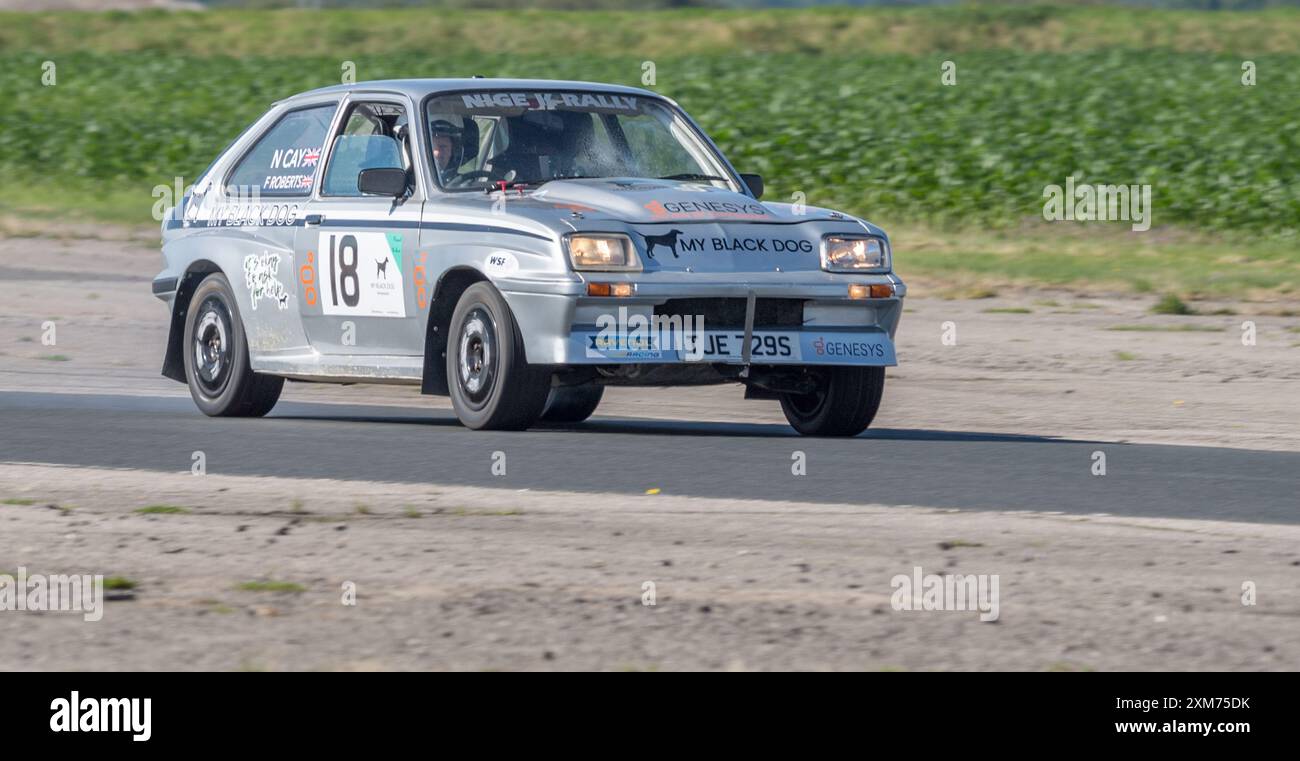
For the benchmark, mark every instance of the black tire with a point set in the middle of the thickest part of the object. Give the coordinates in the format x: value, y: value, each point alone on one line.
x: 492, y: 386
x: 572, y: 404
x: 844, y: 403
x: 216, y: 356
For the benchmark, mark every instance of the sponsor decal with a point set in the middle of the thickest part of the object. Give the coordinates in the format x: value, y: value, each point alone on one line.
x: 395, y: 246
x: 261, y: 276
x: 421, y: 278
x: 548, y: 101
x: 672, y: 241
x: 307, y: 276
x: 624, y: 335
x: 256, y: 214
x: 707, y: 210
x: 625, y: 347
x: 287, y: 182
x: 364, y: 274
x: 502, y: 263
x: 294, y: 158
x: 668, y: 239
x: 847, y: 348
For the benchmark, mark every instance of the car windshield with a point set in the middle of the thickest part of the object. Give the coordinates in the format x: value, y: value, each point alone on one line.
x: 481, y: 139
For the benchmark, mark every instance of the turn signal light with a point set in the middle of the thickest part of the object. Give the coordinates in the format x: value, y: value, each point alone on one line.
x: 618, y: 290
x: 876, y: 291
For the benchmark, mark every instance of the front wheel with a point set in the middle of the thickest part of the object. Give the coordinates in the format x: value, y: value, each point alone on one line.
x: 844, y: 402
x: 216, y: 356
x: 492, y: 386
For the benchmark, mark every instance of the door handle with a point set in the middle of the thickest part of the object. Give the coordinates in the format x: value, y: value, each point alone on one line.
x: 313, y: 219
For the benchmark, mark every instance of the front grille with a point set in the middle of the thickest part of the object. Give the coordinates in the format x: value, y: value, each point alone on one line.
x: 723, y: 314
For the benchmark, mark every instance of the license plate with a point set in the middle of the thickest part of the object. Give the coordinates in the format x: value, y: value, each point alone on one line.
x: 727, y: 346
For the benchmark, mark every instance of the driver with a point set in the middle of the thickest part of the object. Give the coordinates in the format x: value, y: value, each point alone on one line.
x: 448, y: 142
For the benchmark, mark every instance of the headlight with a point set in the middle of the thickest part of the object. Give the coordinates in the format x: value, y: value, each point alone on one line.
x: 602, y: 252
x: 854, y: 253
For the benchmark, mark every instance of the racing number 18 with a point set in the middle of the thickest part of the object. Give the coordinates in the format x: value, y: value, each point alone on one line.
x: 344, y: 272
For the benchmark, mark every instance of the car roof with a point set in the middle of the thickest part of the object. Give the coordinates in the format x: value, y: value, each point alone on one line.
x: 419, y: 88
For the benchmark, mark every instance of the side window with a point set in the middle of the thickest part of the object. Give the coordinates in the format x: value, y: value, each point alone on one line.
x: 374, y: 136
x: 283, y: 162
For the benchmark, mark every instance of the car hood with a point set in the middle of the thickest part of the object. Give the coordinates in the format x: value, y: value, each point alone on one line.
x: 700, y: 228
x: 680, y: 226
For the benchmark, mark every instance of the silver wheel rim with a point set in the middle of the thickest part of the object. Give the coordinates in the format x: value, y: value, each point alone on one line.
x: 212, y: 347
x: 477, y: 357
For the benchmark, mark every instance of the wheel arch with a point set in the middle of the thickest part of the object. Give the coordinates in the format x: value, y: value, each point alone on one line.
x: 174, y: 360
x: 451, y: 284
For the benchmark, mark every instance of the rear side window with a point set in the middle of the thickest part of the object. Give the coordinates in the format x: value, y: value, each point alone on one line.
x: 284, y: 160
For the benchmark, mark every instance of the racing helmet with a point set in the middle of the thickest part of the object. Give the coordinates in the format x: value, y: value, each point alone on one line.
x: 463, y: 134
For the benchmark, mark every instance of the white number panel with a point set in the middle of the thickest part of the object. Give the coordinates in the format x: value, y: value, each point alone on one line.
x: 362, y: 273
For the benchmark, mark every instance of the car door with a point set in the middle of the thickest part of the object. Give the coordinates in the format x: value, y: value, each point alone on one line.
x: 255, y: 209
x: 357, y: 251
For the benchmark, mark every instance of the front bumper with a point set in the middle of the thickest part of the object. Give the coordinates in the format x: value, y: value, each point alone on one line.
x: 563, y: 326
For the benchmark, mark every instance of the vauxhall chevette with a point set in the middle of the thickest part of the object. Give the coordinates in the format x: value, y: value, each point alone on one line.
x: 517, y: 245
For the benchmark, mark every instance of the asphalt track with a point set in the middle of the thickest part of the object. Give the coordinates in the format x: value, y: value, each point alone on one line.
x: 748, y: 461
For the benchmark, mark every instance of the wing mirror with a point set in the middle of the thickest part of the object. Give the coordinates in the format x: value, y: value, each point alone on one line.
x: 754, y: 182
x: 384, y: 181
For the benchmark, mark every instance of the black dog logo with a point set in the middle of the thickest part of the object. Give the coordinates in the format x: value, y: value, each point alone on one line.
x: 668, y: 239
x: 381, y: 268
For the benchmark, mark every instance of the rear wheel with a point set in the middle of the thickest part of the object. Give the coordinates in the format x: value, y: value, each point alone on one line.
x: 217, y: 370
x: 843, y: 404
x: 572, y: 404
x: 492, y: 386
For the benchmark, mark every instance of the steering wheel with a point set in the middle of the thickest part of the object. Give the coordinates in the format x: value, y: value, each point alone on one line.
x: 461, y: 180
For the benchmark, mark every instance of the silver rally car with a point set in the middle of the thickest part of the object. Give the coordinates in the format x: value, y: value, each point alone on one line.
x: 517, y: 245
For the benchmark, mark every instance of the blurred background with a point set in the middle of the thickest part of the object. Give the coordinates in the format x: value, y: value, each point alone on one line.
x: 842, y: 103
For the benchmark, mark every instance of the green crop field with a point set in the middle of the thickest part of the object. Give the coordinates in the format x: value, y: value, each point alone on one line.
x: 857, y: 119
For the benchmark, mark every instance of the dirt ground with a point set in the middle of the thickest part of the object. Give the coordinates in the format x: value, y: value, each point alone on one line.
x: 475, y: 579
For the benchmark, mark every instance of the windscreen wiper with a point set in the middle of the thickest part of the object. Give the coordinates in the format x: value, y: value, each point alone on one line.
x: 692, y: 177
x: 526, y: 184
